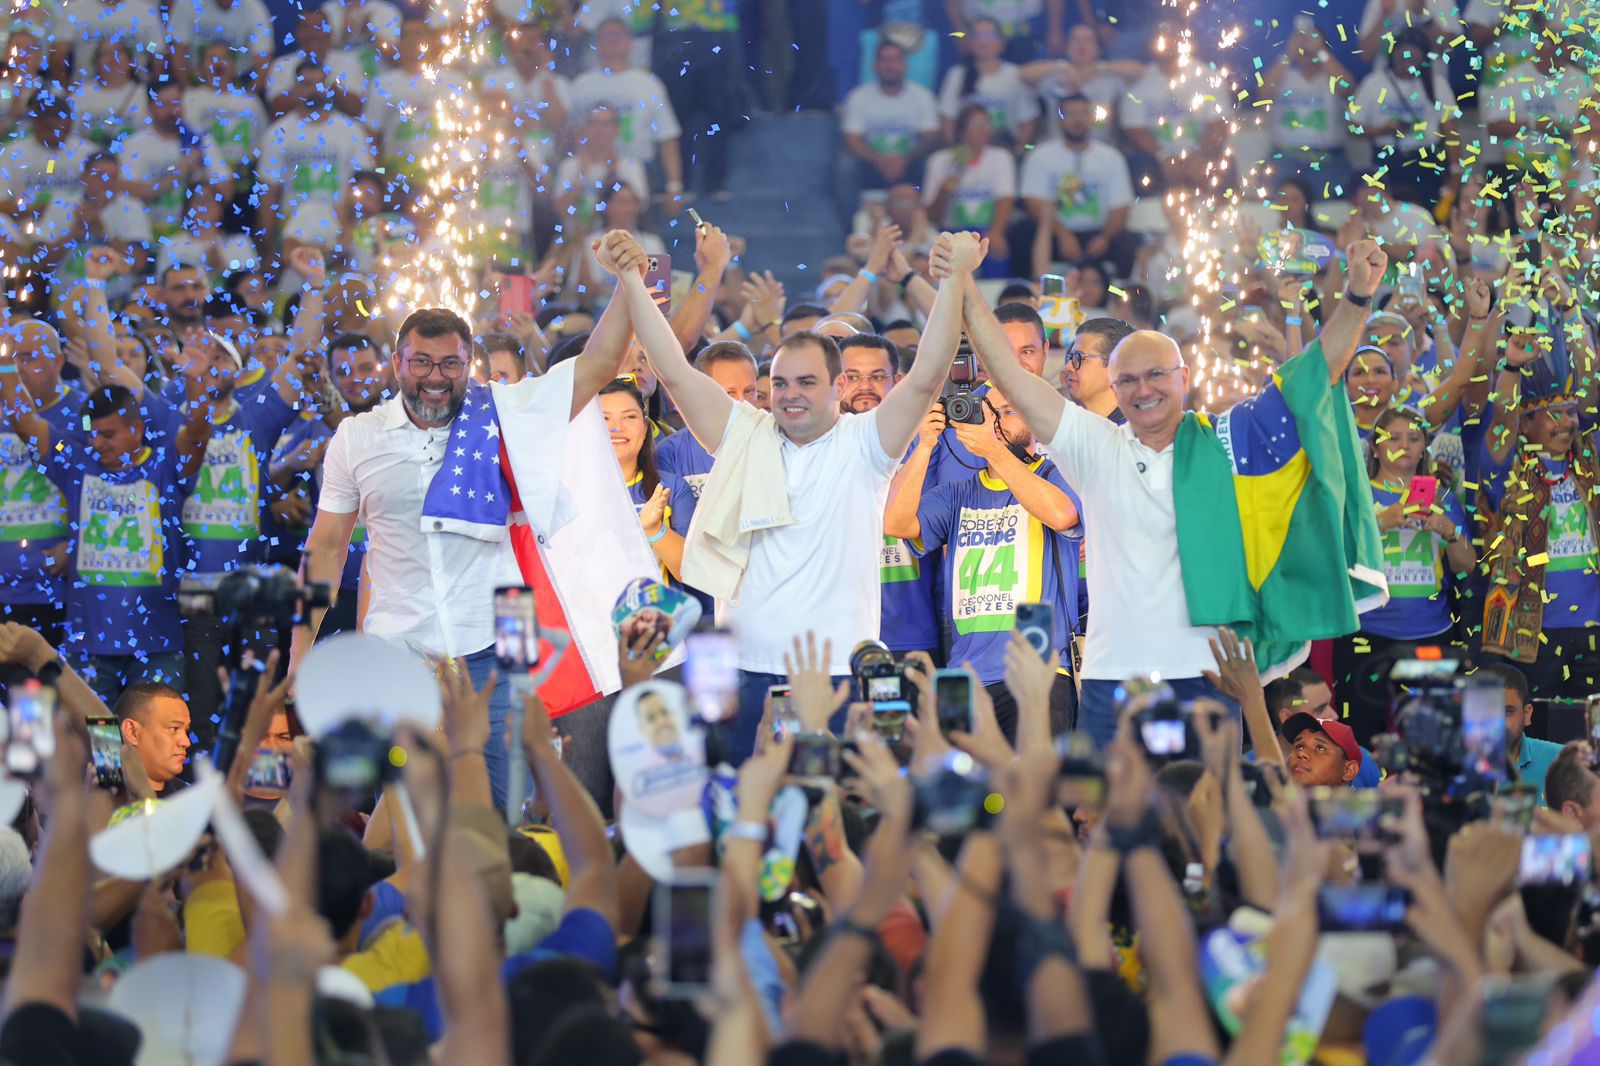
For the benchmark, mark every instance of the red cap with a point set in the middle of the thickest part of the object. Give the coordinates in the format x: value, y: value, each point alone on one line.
x: 1333, y: 729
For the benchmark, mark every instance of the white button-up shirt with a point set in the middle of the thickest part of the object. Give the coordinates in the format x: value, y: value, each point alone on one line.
x: 431, y: 590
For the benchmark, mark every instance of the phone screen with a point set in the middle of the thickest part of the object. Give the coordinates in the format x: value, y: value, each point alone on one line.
x: 711, y: 673
x: 1483, y: 726
x: 1052, y: 285
x: 1558, y: 859
x: 687, y: 932
x: 952, y: 693
x: 889, y: 719
x: 1164, y: 736
x: 32, y: 721
x: 516, y: 628
x: 1358, y: 907
x: 815, y: 757
x: 1421, y: 496
x: 105, y: 751
x: 270, y: 771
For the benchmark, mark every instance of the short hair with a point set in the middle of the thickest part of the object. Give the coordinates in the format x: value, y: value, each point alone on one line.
x: 1017, y: 312
x: 266, y: 829
x: 433, y: 322
x: 884, y: 42
x: 111, y: 400
x: 830, y: 349
x: 1307, y: 676
x: 1569, y: 778
x: 344, y: 874
x: 1141, y: 302
x: 178, y: 265
x: 528, y: 856
x: 803, y: 310
x: 1016, y: 292
x: 1114, y: 330
x: 351, y: 342
x: 505, y: 342
x: 879, y: 343
x: 96, y: 158
x: 723, y: 352
x: 1072, y: 98
x: 136, y: 698
x: 1513, y: 679
x: 1281, y: 694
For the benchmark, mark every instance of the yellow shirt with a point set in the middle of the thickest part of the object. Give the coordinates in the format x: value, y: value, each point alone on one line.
x: 396, y: 956
x: 211, y: 921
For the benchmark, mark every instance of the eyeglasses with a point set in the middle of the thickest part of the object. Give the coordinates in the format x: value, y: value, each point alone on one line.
x: 1075, y: 357
x: 421, y: 366
x: 1153, y: 378
x: 877, y: 377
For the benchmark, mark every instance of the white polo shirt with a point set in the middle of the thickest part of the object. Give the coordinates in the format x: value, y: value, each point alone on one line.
x: 1139, y: 621
x: 821, y: 572
x: 433, y: 591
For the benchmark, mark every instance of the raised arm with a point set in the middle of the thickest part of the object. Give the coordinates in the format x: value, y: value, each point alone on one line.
x: 194, y: 436
x: 1039, y: 404
x: 18, y: 412
x: 711, y: 256
x: 905, y: 491
x: 1365, y: 264
x: 955, y: 257
x: 704, y: 405
x: 601, y: 359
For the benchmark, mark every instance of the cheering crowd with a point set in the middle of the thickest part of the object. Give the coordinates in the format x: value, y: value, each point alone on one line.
x: 1109, y: 651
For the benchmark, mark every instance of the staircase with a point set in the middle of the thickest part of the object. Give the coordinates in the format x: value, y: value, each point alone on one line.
x: 783, y: 166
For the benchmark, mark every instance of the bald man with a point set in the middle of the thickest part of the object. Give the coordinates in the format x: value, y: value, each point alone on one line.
x: 1124, y: 476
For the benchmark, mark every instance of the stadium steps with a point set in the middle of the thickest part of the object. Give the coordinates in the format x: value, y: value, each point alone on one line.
x: 780, y: 181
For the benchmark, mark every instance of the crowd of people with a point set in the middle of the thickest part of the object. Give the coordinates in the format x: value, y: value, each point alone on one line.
x: 1143, y: 622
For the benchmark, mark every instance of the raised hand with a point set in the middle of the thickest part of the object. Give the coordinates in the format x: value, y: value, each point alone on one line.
x: 1236, y: 674
x: 1479, y: 298
x: 884, y: 243
x: 967, y: 252
x: 1365, y: 263
x: 101, y: 263
x: 308, y: 263
x: 654, y: 512
x: 812, y: 692
x: 712, y: 252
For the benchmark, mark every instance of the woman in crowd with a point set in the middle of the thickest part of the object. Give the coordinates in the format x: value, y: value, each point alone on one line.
x: 973, y: 186
x: 983, y: 77
x: 634, y: 446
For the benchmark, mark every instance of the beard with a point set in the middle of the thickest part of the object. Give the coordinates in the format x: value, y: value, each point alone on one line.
x: 860, y: 403
x: 1021, y: 449
x: 433, y: 412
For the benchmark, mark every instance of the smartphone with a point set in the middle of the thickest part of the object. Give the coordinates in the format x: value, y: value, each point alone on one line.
x: 1410, y: 283
x: 1421, y: 496
x: 1558, y: 859
x: 1052, y: 285
x: 815, y: 757
x: 658, y: 279
x: 270, y: 771
x: 1483, y: 726
x: 1081, y: 779
x: 1164, y: 736
x: 683, y: 909
x: 516, y: 629
x: 32, y: 723
x: 1352, y: 814
x: 952, y: 698
x: 889, y: 719
x: 711, y: 673
x: 105, y: 751
x: 1362, y: 907
x: 784, y: 721
x: 516, y: 295
x: 1037, y: 624
x: 694, y: 216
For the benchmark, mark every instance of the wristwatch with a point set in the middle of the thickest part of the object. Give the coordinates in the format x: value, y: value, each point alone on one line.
x: 1127, y: 839
x: 1356, y: 300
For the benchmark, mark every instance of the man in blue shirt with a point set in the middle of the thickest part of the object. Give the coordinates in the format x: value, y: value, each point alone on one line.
x: 1532, y: 757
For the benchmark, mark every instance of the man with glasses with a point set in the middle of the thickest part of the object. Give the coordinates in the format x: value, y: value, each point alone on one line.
x: 1125, y: 477
x: 1086, y: 374
x: 433, y: 589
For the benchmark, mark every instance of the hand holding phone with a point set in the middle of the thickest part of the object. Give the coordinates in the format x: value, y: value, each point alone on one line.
x: 105, y: 752
x: 1421, y: 496
x: 953, y: 700
x: 516, y: 629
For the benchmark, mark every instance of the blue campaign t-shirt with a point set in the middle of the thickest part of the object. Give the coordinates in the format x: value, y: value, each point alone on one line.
x: 997, y: 555
x: 1419, y: 577
x: 129, y: 550
x: 316, y: 430
x: 33, y: 511
x: 907, y: 588
x: 1571, y: 583
x: 222, y: 515
x: 681, y: 456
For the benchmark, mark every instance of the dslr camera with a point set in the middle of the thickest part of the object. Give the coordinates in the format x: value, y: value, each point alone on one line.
x: 1448, y: 735
x: 1162, y: 724
x: 956, y: 398
x: 879, y: 676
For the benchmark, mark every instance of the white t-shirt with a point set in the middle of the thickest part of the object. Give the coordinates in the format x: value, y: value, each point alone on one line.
x: 1528, y: 93
x: 644, y: 111
x: 344, y: 69
x: 571, y: 173
x: 314, y: 160
x: 1411, y: 13
x: 147, y: 155
x: 1008, y: 99
x: 86, y: 23
x: 123, y: 219
x: 401, y: 110
x: 1383, y: 99
x: 230, y: 251
x: 1103, y: 90
x: 1404, y: 224
x: 1140, y: 621
x: 1002, y: 11
x: 890, y: 124
x: 822, y: 571
x: 530, y: 97
x: 246, y: 26
x: 107, y: 115
x: 1307, y: 112
x: 1152, y: 105
x: 347, y: 20
x: 40, y: 175
x: 233, y: 118
x: 505, y: 196
x: 1085, y: 185
x: 981, y: 184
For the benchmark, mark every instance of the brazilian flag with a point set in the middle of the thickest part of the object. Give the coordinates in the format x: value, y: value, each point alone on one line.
x: 1277, y: 531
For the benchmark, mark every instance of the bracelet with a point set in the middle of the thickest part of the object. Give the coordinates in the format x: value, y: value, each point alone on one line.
x: 1292, y: 320
x: 454, y: 755
x: 756, y: 831
x: 741, y: 329
x: 659, y: 534
x: 95, y: 283
x: 1358, y: 301
x: 1130, y: 839
x: 869, y: 275
x: 910, y: 276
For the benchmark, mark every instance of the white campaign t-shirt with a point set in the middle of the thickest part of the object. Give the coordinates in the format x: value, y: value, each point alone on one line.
x: 821, y: 571
x: 234, y: 119
x: 1085, y: 185
x: 147, y: 155
x: 1009, y: 100
x: 1307, y: 112
x: 123, y: 219
x: 572, y: 173
x: 530, y: 97
x: 344, y: 69
x: 644, y: 112
x: 107, y: 115
x: 87, y: 23
x: 1382, y: 99
x: 401, y: 110
x: 1151, y: 104
x: 1140, y: 621
x: 26, y: 170
x: 890, y: 123
x: 244, y: 27
x: 314, y: 160
x: 981, y: 184
x: 1527, y: 94
x: 346, y: 20
x: 1411, y: 13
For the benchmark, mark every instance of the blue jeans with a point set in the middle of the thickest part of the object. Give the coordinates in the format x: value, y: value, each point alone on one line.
x: 108, y: 675
x: 480, y: 665
x: 738, y: 737
x: 1097, y: 704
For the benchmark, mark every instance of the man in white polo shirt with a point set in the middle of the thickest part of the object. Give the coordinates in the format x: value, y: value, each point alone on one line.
x: 1123, y: 474
x: 819, y: 572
